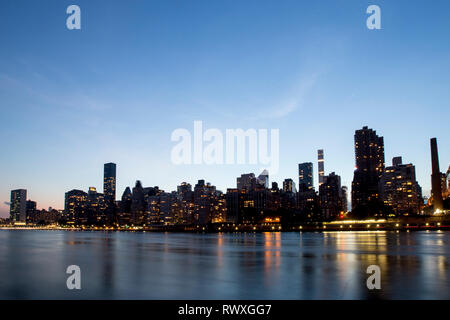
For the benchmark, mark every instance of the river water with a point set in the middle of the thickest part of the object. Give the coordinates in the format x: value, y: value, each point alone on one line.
x: 125, y: 265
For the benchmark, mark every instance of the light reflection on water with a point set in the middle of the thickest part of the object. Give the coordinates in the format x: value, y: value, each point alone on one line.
x: 329, y: 265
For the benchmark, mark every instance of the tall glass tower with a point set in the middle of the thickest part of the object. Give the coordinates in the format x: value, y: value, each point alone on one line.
x: 109, y: 189
x: 369, y: 158
x: 305, y: 176
x: 18, y: 206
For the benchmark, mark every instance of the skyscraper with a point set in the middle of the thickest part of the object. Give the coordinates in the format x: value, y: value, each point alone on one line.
x: 330, y: 195
x: 18, y: 206
x: 31, y: 211
x: 75, y: 206
x: 436, y: 187
x: 95, y: 207
x: 289, y: 186
x: 138, y: 205
x: 369, y: 158
x: 109, y: 190
x: 246, y: 181
x: 125, y: 207
x: 320, y: 165
x: 263, y: 178
x: 305, y: 176
x: 399, y: 188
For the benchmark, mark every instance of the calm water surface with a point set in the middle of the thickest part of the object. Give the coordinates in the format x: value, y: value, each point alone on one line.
x: 119, y: 265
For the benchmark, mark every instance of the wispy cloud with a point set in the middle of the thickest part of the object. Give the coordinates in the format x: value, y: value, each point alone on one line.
x: 295, y: 101
x: 6, y: 203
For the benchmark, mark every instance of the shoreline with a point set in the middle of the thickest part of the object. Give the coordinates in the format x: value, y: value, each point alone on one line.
x: 335, y: 226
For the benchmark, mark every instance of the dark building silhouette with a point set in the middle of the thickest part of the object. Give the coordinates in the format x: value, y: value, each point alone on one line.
x: 204, y: 200
x: 233, y: 205
x: 31, y: 211
x: 308, y: 204
x: 246, y: 181
x: 75, y: 207
x: 138, y: 205
x: 289, y: 186
x: 436, y: 184
x: 109, y: 190
x: 263, y: 179
x: 18, y: 206
x: 96, y: 208
x: 186, y: 197
x: 369, y: 156
x: 399, y: 188
x: 125, y: 207
x: 331, y: 197
x: 305, y: 175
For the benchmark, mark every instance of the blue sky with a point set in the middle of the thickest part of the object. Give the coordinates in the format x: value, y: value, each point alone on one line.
x: 137, y: 70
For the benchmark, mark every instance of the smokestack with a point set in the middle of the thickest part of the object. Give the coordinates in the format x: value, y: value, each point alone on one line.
x: 436, y: 190
x: 321, y: 166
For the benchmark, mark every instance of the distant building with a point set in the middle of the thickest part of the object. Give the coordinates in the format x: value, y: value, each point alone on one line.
x: 331, y: 197
x: 31, y: 211
x: 232, y: 198
x: 205, y: 200
x: 125, y: 207
x: 344, y: 196
x: 263, y: 178
x: 436, y: 177
x: 96, y: 208
x: 246, y: 181
x: 321, y: 165
x: 75, y: 207
x: 369, y: 156
x: 138, y: 205
x: 399, y: 188
x: 289, y: 186
x: 109, y: 190
x: 18, y: 206
x: 308, y: 204
x: 305, y: 175
x: 186, y: 198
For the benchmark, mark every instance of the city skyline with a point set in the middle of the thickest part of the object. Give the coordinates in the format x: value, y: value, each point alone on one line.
x: 383, y: 170
x: 74, y: 100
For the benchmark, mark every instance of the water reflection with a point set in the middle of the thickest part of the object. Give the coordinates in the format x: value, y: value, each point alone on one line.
x: 330, y: 265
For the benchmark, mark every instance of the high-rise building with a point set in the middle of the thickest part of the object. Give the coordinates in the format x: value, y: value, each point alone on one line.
x: 369, y: 156
x: 330, y: 195
x: 399, y: 188
x: 308, y: 204
x: 246, y: 181
x: 185, y: 196
x: 138, y: 205
x: 289, y: 186
x: 75, y: 206
x: 31, y: 211
x: 436, y: 184
x: 232, y: 198
x: 125, y: 207
x: 263, y: 178
x: 18, y: 206
x: 344, y: 196
x: 95, y: 208
x: 204, y: 202
x: 109, y: 190
x: 321, y: 165
x: 305, y: 176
